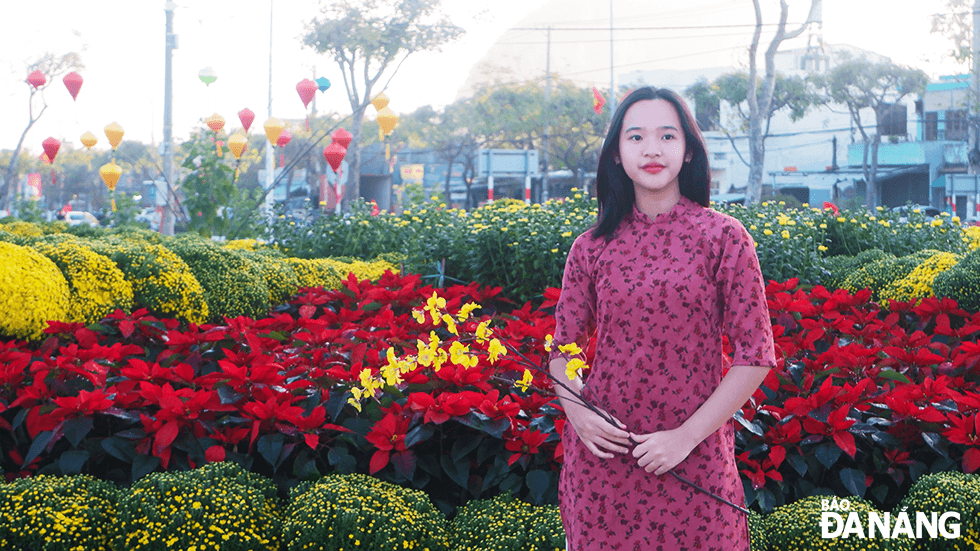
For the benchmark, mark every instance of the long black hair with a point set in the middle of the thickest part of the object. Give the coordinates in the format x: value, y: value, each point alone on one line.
x: 614, y: 189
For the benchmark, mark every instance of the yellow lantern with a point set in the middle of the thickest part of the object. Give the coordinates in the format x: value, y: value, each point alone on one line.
x: 115, y: 134
x: 387, y: 120
x: 89, y: 139
x: 237, y: 144
x: 380, y: 101
x: 215, y: 122
x: 273, y: 128
x: 110, y: 173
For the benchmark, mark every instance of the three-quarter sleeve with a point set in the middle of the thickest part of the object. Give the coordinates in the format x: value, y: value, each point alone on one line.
x: 575, y: 312
x: 743, y: 299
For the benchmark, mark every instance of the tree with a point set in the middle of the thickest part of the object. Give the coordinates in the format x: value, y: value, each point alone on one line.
x: 760, y: 98
x: 860, y: 84
x: 368, y: 39
x: 53, y: 67
x: 789, y: 93
x: 957, y: 24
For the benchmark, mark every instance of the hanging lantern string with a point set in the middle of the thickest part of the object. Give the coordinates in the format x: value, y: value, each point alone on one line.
x: 314, y: 142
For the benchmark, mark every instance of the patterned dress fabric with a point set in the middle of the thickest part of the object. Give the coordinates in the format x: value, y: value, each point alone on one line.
x: 659, y: 296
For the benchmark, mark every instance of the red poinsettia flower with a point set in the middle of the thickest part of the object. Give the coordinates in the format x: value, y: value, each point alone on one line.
x: 388, y: 436
x: 523, y: 443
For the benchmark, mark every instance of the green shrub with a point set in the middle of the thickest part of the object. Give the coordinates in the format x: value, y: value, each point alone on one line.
x: 96, y: 286
x: 162, y: 282
x: 757, y: 532
x: 879, y: 274
x: 918, y: 283
x: 507, y: 524
x: 32, y: 291
x: 279, y: 276
x: 218, y: 506
x: 961, y: 282
x: 233, y: 284
x: 942, y: 492
x: 47, y: 513
x: 361, y: 512
x: 841, y: 266
x: 796, y: 527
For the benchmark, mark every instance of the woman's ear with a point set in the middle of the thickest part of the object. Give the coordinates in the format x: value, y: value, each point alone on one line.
x: 688, y: 156
x: 616, y: 159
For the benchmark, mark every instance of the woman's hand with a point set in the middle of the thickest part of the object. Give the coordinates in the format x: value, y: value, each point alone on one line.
x: 659, y: 452
x: 598, y: 435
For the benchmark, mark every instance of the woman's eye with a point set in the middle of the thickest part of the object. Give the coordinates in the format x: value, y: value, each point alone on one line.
x: 634, y: 137
x: 668, y: 136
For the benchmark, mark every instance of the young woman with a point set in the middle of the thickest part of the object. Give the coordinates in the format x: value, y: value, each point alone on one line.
x: 659, y: 279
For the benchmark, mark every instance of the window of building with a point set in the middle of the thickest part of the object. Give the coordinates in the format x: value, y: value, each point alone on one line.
x: 892, y: 120
x: 956, y: 124
x: 930, y: 123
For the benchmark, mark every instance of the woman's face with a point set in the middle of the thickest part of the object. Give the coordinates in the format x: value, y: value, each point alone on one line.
x: 652, y: 148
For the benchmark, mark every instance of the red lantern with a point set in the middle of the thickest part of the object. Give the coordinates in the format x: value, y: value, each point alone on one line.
x: 334, y: 154
x: 306, y: 89
x: 342, y: 137
x: 73, y: 81
x: 246, y: 116
x: 284, y: 138
x: 36, y: 79
x: 51, y: 147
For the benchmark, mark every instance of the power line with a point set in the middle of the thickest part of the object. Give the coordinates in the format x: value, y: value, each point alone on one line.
x: 671, y: 28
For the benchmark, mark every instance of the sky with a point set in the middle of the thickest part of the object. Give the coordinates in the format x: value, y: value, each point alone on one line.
x: 121, y: 43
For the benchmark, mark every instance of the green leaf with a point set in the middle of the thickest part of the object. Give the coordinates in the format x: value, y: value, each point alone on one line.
x: 77, y: 429
x: 120, y: 448
x: 270, y: 447
x: 537, y: 483
x: 457, y: 472
x: 827, y: 454
x: 894, y: 376
x: 463, y: 446
x: 853, y: 480
x: 40, y: 442
x: 72, y: 461
x: 341, y: 459
x: 144, y: 465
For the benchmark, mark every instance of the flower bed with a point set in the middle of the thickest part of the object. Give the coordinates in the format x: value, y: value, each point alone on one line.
x: 865, y: 399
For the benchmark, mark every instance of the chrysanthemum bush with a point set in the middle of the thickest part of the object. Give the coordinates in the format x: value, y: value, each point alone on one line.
x: 796, y: 527
x: 217, y: 507
x: 96, y: 286
x: 32, y: 292
x: 941, y: 493
x: 47, y: 513
x: 506, y: 524
x: 361, y: 512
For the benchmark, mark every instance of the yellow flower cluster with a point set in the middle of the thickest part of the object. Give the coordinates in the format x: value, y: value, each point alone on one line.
x: 280, y: 277
x: 972, y: 237
x: 233, y: 284
x: 918, y: 283
x: 505, y: 523
x: 32, y: 291
x: 329, y: 273
x: 96, y: 286
x: 162, y: 282
x: 243, y: 244
x: 219, y: 506
x: 75, y: 513
x: 355, y: 512
x: 943, y: 492
x: 22, y: 228
x: 796, y: 526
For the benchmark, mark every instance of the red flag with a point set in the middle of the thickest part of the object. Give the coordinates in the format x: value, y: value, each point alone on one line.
x: 597, y: 101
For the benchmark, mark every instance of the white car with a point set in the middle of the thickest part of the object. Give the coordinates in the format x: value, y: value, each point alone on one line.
x: 77, y: 217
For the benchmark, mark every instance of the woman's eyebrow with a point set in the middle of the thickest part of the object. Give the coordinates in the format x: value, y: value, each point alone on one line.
x: 664, y: 127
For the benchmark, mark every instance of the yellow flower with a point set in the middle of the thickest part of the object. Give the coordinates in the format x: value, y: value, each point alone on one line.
x: 483, y: 331
x: 821, y: 248
x: 554, y: 250
x: 459, y: 355
x: 525, y: 381
x: 785, y: 234
x: 495, y: 350
x: 573, y: 369
x: 419, y: 316
x: 450, y: 324
x: 767, y: 231
x: 841, y: 219
x: 466, y: 310
x: 572, y: 349
x: 547, y: 342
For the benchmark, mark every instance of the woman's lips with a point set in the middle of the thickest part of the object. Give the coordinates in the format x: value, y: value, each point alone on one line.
x: 653, y: 168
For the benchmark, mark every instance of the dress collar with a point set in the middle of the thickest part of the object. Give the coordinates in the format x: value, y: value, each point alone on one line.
x: 682, y: 205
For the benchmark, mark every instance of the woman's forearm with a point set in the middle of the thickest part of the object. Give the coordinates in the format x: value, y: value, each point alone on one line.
x: 557, y: 370
x: 735, y: 389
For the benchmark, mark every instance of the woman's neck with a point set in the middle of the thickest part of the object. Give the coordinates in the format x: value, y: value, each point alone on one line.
x: 659, y: 202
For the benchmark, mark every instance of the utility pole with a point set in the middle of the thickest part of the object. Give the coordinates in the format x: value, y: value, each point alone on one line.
x: 612, y: 65
x: 270, y: 157
x: 974, y: 156
x: 547, y: 119
x: 167, y: 220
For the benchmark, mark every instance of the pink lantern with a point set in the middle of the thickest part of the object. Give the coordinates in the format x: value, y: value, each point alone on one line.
x: 284, y: 138
x: 36, y: 79
x: 342, y: 137
x: 246, y: 116
x: 306, y: 89
x: 334, y: 154
x: 73, y: 81
x: 51, y: 147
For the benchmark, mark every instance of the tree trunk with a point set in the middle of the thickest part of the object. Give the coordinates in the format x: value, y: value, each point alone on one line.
x: 871, y: 193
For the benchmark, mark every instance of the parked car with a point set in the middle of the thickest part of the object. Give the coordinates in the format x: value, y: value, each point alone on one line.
x: 78, y: 217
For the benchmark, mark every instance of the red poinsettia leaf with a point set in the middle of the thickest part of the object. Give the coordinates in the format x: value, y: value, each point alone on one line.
x: 214, y: 454
x: 777, y: 454
x: 167, y: 435
x: 378, y: 461
x: 306, y: 311
x: 846, y: 442
x: 971, y: 460
x: 126, y: 327
x: 311, y: 440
